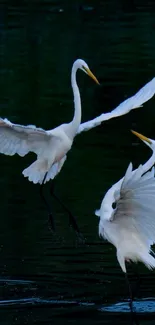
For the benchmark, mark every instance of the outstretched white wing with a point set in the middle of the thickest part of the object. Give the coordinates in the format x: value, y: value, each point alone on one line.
x: 135, y: 209
x: 15, y: 138
x: 142, y: 96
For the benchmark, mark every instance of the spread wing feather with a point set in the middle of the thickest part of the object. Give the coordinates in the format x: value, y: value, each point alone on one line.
x: 142, y: 96
x: 135, y: 209
x: 20, y: 139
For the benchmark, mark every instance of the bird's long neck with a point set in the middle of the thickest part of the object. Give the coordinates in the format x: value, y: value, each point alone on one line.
x: 74, y: 125
x: 149, y: 163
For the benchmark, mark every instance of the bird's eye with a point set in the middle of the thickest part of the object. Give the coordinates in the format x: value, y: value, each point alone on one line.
x: 114, y: 205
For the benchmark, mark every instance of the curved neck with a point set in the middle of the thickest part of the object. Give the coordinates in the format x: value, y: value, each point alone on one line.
x: 77, y: 102
x: 149, y: 163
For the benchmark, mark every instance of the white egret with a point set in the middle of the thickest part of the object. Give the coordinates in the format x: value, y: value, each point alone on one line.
x: 127, y: 214
x: 51, y: 146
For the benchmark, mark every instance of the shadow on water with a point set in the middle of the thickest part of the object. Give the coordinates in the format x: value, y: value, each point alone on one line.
x: 66, y: 281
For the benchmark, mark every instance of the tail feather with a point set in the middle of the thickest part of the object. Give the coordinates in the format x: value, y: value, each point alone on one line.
x: 36, y: 171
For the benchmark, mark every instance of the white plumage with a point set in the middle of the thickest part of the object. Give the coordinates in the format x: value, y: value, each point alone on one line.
x: 49, y: 146
x: 136, y: 101
x: 130, y: 227
x: 52, y: 146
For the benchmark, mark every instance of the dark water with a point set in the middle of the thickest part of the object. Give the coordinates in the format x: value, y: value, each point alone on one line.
x: 50, y: 278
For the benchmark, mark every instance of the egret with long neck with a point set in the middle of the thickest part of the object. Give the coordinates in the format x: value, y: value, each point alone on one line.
x: 51, y: 147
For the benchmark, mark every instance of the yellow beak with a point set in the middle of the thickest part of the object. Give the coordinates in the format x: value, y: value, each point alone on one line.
x: 142, y: 137
x: 91, y: 75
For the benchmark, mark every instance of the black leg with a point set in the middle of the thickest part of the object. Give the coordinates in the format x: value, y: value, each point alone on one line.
x: 72, y: 219
x: 138, y: 280
x: 50, y: 216
x: 133, y: 313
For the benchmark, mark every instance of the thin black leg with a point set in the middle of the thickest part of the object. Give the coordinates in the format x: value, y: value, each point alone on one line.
x: 133, y: 313
x: 138, y: 280
x: 72, y: 219
x: 50, y: 215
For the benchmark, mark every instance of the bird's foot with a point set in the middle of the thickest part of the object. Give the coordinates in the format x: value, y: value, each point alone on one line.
x: 51, y: 222
x: 81, y: 238
x: 133, y: 313
x: 73, y: 224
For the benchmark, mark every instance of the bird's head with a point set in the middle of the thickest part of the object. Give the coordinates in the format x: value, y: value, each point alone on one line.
x: 108, y: 206
x: 149, y: 142
x: 82, y: 65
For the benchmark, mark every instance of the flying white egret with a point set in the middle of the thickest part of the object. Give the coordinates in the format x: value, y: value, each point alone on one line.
x: 127, y: 214
x: 52, y: 146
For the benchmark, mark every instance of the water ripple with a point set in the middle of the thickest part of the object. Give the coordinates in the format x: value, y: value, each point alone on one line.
x: 42, y: 301
x: 141, y: 306
x: 146, y: 305
x: 15, y: 281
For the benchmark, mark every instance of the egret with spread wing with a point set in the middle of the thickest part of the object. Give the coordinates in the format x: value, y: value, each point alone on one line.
x: 142, y: 96
x: 50, y: 146
x: 130, y: 225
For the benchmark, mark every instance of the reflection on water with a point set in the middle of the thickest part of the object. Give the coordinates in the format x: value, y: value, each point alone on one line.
x: 71, y: 309
x: 62, y: 280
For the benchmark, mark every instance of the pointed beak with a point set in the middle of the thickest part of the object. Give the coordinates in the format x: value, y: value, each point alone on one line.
x: 142, y: 137
x: 91, y: 75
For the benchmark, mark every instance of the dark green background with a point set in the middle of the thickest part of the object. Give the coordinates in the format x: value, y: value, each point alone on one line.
x: 39, y: 41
